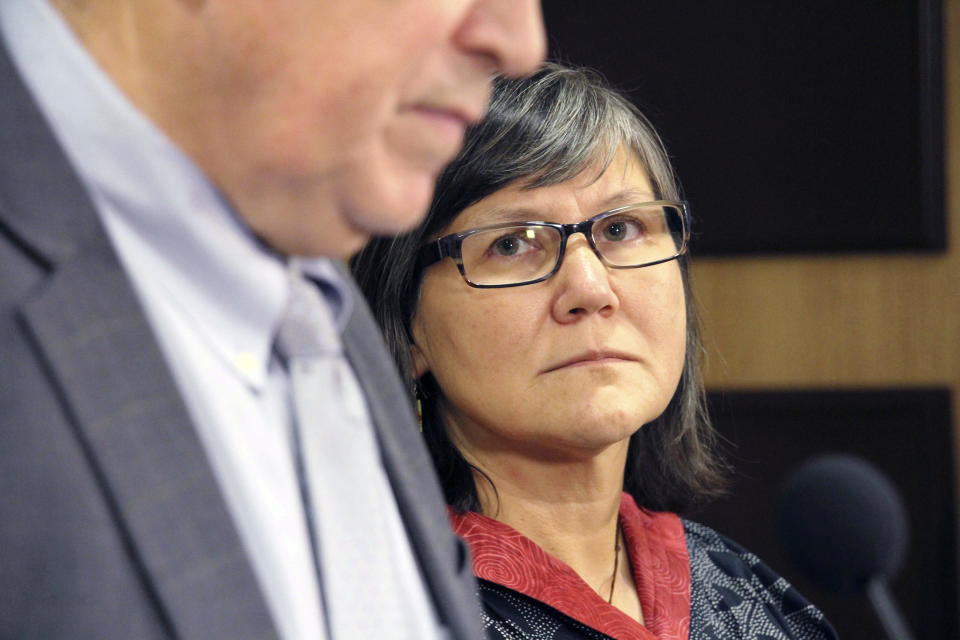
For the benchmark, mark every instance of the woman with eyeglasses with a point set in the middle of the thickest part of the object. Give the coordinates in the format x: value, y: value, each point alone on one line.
x: 543, y: 316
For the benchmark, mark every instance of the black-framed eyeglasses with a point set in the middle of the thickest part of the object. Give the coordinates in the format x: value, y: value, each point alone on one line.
x: 518, y: 253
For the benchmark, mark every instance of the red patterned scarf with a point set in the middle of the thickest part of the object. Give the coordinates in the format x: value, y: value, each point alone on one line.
x: 658, y: 557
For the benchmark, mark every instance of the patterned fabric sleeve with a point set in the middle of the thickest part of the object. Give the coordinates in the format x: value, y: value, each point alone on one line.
x: 509, y: 615
x: 735, y: 596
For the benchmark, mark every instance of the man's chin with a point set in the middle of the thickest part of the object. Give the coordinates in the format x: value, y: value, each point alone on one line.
x: 331, y: 240
x: 401, y: 212
x: 344, y: 235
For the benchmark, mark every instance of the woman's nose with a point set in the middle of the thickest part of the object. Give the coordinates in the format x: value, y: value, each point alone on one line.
x: 583, y: 283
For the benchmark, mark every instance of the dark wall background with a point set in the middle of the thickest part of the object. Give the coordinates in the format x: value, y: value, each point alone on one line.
x: 795, y: 126
x: 905, y: 433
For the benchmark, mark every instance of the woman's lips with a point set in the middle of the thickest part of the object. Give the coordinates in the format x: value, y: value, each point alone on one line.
x: 593, y: 358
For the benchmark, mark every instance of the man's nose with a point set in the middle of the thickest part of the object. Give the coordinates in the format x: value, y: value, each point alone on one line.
x: 510, y: 32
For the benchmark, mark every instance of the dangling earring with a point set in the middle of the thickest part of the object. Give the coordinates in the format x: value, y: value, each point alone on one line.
x: 416, y: 394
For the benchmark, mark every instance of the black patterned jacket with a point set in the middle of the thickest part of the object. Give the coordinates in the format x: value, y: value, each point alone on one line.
x: 733, y: 596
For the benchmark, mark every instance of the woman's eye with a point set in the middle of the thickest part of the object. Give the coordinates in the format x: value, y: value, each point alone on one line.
x: 510, y: 245
x: 622, y: 229
x: 507, y: 246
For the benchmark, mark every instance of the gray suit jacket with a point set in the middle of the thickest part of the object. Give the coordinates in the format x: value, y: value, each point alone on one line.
x: 111, y: 522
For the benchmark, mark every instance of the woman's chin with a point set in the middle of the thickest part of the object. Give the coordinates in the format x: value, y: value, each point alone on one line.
x: 580, y: 446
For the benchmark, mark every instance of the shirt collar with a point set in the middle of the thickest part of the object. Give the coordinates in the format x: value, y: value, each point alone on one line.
x: 333, y: 286
x: 191, y: 246
x: 656, y: 545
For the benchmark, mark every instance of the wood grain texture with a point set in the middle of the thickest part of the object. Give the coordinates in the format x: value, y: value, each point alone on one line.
x: 851, y: 320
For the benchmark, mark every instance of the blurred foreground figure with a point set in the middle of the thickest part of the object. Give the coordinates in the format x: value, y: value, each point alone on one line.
x: 178, y: 181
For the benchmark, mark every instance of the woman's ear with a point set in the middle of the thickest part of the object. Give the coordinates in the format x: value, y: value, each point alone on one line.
x: 420, y: 366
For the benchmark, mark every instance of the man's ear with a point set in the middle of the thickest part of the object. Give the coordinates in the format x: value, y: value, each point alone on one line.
x: 420, y: 365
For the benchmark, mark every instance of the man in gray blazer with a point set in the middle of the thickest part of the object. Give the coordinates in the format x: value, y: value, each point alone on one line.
x: 165, y: 166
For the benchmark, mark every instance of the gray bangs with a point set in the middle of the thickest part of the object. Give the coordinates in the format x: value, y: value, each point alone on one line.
x: 583, y: 124
x: 545, y: 130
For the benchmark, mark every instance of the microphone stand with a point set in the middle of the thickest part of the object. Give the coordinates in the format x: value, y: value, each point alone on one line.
x: 890, y: 616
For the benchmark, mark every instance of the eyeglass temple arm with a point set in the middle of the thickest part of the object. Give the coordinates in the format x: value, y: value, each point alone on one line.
x: 431, y: 254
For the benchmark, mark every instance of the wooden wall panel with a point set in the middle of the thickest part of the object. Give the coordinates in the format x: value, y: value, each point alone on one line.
x: 850, y: 320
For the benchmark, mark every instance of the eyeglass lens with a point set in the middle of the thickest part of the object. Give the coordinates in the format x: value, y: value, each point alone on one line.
x: 629, y: 238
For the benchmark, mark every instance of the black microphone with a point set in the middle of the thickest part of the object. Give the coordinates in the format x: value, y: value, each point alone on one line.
x: 844, y: 525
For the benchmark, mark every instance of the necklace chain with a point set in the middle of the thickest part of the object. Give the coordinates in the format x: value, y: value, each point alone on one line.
x: 616, y: 562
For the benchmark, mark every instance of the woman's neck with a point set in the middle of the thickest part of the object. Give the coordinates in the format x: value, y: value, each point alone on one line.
x: 569, y: 508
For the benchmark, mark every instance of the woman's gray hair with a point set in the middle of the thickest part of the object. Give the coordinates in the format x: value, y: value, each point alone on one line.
x: 543, y: 130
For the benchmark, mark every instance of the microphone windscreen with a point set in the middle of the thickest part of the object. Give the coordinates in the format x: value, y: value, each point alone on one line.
x: 843, y: 522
